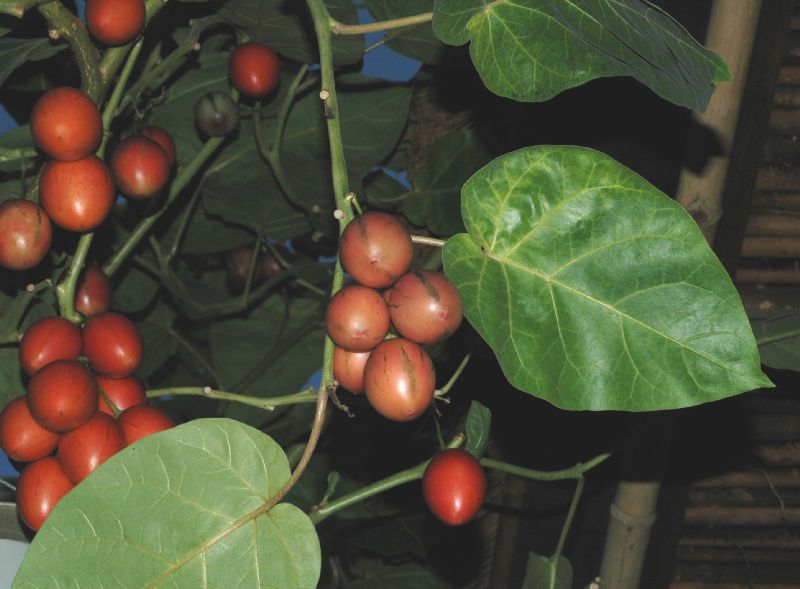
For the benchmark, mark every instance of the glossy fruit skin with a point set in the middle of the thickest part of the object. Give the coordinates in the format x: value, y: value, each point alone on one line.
x: 376, y: 249
x: 115, y: 22
x: 348, y: 369
x: 163, y: 138
x: 25, y: 234
x: 93, y: 295
x: 62, y: 395
x: 216, y: 114
x: 254, y: 69
x: 86, y: 447
x: 140, y: 167
x: 77, y: 195
x: 454, y: 486
x: 66, y: 124
x: 123, y: 392
x: 399, y: 380
x: 41, y: 485
x: 143, y: 420
x: 425, y: 307
x: 112, y: 344
x: 47, y: 340
x: 357, y: 318
x: 21, y: 437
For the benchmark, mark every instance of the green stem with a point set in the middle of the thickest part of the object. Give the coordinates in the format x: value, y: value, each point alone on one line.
x: 423, y: 240
x: 395, y: 23
x: 178, y: 184
x: 449, y: 384
x: 266, y: 403
x: 575, y: 472
x: 144, y: 82
x: 15, y: 312
x: 65, y: 292
x: 185, y: 218
x: 562, y: 539
x: 18, y: 8
x: 65, y: 25
x: 414, y: 473
x: 12, y: 155
x: 111, y: 107
x: 194, y: 352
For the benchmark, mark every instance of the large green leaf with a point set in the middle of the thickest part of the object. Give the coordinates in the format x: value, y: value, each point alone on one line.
x: 546, y: 573
x: 594, y: 289
x: 436, y: 199
x: 778, y: 338
x: 287, y: 28
x: 417, y: 42
x: 16, y: 138
x: 182, y: 508
x: 11, y: 385
x: 530, y: 50
x: 14, y: 52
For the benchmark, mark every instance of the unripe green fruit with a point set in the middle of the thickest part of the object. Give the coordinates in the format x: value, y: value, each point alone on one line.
x: 216, y: 114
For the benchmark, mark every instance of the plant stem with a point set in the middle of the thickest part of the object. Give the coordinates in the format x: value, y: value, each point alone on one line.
x: 65, y: 292
x: 399, y: 478
x: 116, y: 95
x: 422, y: 240
x: 562, y: 539
x: 18, y: 8
x: 769, y: 339
x: 265, y: 403
x: 178, y: 184
x: 575, y: 472
x: 11, y: 155
x: 449, y: 384
x: 395, y: 23
x: 65, y: 25
x: 189, y: 348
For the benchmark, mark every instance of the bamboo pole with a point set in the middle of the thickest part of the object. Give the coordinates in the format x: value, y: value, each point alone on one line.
x: 771, y: 247
x: 777, y: 201
x: 777, y: 477
x: 777, y: 179
x: 742, y: 516
x: 768, y: 275
x: 773, y: 225
x: 731, y: 31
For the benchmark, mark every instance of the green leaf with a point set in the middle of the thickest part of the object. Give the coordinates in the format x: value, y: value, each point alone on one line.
x: 531, y: 50
x: 478, y: 427
x: 14, y: 52
x: 134, y: 291
x: 542, y: 573
x: 287, y: 28
x: 595, y: 290
x: 778, y: 338
x: 383, y: 191
x: 417, y: 42
x: 240, y: 188
x: 11, y: 385
x: 160, y: 343
x: 209, y: 235
x: 16, y: 138
x: 373, y: 115
x: 436, y: 199
x: 182, y: 508
x: 272, y: 360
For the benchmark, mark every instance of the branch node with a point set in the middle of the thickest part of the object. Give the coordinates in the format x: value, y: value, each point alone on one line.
x: 206, y: 390
x: 324, y: 95
x: 338, y: 214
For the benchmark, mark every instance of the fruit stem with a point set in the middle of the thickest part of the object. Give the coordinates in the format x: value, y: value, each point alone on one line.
x: 65, y: 292
x: 562, y: 539
x: 111, y: 106
x: 321, y: 513
x: 384, y: 25
x: 449, y: 384
x: 267, y: 404
x: 423, y: 240
x: 63, y: 24
x: 574, y: 472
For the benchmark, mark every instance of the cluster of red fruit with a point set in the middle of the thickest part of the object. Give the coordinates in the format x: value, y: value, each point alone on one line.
x: 77, y: 188
x: 424, y: 307
x: 67, y: 408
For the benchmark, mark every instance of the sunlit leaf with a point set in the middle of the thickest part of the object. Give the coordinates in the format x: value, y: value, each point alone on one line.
x: 182, y: 508
x: 531, y: 50
x: 595, y: 290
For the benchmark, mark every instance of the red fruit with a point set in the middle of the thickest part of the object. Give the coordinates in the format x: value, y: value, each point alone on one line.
x: 94, y: 292
x: 254, y: 69
x: 112, y: 344
x: 21, y: 437
x: 348, y: 369
x: 41, y: 485
x: 62, y: 395
x: 86, y: 447
x: 25, y: 234
x: 163, y: 138
x: 425, y: 307
x: 376, y: 249
x: 140, y: 166
x: 143, y: 420
x: 399, y: 380
x: 47, y: 340
x: 66, y: 124
x: 454, y: 486
x: 123, y: 392
x: 115, y: 22
x: 77, y: 195
x: 357, y: 318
